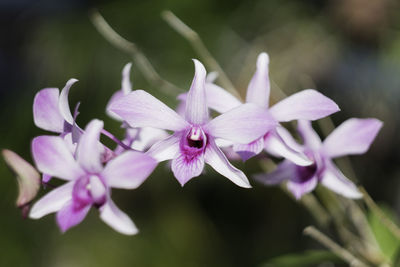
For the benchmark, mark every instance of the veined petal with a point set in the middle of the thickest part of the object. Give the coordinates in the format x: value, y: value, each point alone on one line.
x: 185, y: 168
x: 217, y: 160
x: 126, y: 81
x: 117, y: 95
x: 89, y: 149
x: 276, y: 146
x: 52, y: 201
x: 309, y: 136
x: 283, y: 172
x: 71, y: 215
x: 63, y: 102
x: 196, y: 103
x: 334, y: 180
x: 129, y: 170
x: 140, y: 109
x: 147, y: 137
x: 242, y: 124
x: 259, y: 87
x: 353, y: 136
x: 247, y: 151
x: 53, y: 157
x: 117, y: 219
x: 300, y: 188
x: 219, y: 99
x: 165, y: 149
x: 305, y: 105
x: 46, y: 114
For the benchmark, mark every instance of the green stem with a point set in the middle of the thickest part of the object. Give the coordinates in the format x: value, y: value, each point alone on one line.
x: 195, y: 41
x: 334, y: 247
x: 143, y: 64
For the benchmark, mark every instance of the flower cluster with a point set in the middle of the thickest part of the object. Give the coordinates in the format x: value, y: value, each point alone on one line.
x: 189, y: 137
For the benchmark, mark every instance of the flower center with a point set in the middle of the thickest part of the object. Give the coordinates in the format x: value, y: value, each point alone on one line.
x: 89, y: 190
x: 196, y: 138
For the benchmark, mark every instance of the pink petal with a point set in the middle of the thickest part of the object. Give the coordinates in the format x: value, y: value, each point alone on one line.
x: 276, y: 146
x: 53, y: 157
x: 216, y: 159
x: 126, y: 82
x: 27, y: 176
x: 310, y: 137
x: 89, y: 149
x: 185, y: 168
x: 140, y: 109
x: 147, y: 137
x: 129, y: 170
x: 334, y: 179
x: 63, y: 102
x: 259, y: 86
x: 71, y: 215
x: 248, y: 151
x: 283, y: 172
x: 242, y: 125
x: 165, y: 149
x: 353, y: 136
x: 52, y: 201
x: 117, y: 219
x: 305, y: 105
x: 46, y: 114
x: 196, y: 103
x: 219, y: 99
x: 300, y: 188
x: 116, y: 96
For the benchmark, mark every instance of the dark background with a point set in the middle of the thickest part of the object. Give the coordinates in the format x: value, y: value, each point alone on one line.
x: 347, y: 49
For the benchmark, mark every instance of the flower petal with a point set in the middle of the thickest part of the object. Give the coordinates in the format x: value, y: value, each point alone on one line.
x: 53, y: 157
x: 126, y: 81
x: 147, y: 137
x: 117, y: 95
x: 259, y: 87
x: 242, y: 124
x: 185, y: 169
x: 196, y: 103
x: 165, y: 149
x: 309, y: 136
x: 117, y: 219
x: 217, y: 160
x: 353, y: 136
x: 129, y: 170
x: 27, y: 176
x: 46, y: 114
x: 276, y: 146
x: 63, y: 102
x: 300, y: 188
x: 247, y: 151
x: 52, y: 201
x: 283, y: 172
x: 140, y: 109
x: 219, y: 99
x: 305, y: 105
x: 89, y: 149
x: 334, y: 179
x: 71, y: 215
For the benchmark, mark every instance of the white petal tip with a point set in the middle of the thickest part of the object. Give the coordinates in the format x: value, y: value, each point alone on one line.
x: 262, y: 60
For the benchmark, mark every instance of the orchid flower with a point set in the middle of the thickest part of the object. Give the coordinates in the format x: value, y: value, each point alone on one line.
x: 51, y: 110
x: 193, y: 142
x: 307, y: 104
x: 137, y: 138
x: 352, y: 137
x: 89, y: 183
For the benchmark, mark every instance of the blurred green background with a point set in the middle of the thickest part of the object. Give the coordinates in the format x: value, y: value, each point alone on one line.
x: 347, y: 49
